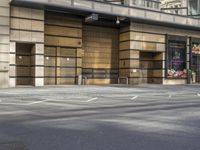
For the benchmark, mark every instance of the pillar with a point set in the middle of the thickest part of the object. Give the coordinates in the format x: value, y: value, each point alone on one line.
x: 4, y: 43
x: 38, y: 73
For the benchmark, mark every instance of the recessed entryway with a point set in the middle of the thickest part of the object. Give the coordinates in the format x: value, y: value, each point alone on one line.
x: 60, y: 66
x: 101, y: 54
x: 151, y: 65
x: 24, y: 64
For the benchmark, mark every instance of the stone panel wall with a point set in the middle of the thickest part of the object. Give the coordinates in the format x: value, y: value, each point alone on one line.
x: 4, y: 43
x: 27, y: 26
x: 138, y: 39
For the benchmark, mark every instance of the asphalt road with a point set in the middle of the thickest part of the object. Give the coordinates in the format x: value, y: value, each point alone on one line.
x: 144, y: 117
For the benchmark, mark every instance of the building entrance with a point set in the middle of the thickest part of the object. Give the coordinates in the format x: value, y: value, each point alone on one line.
x: 24, y: 64
x: 101, y: 54
x: 151, y: 65
x: 60, y: 66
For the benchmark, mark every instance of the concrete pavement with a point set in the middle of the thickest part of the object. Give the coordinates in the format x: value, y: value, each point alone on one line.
x: 146, y: 117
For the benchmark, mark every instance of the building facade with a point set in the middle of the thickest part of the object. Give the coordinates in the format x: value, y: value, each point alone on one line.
x: 181, y: 7
x: 65, y: 42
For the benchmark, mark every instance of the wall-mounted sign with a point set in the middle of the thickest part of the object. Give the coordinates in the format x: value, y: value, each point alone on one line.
x: 176, y: 57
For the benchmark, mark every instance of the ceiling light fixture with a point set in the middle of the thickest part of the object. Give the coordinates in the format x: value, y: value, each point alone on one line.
x: 118, y: 20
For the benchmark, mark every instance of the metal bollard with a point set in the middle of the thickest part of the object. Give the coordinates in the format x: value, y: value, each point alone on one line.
x: 127, y: 81
x: 85, y: 80
x: 80, y: 80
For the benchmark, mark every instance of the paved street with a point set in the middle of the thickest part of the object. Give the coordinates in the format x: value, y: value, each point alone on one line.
x: 145, y: 117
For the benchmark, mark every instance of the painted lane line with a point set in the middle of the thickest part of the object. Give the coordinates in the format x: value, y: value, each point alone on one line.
x: 198, y: 94
x: 13, y: 104
x: 25, y: 104
x: 13, y: 112
x: 92, y: 99
x: 170, y: 95
x: 133, y: 98
x: 38, y: 102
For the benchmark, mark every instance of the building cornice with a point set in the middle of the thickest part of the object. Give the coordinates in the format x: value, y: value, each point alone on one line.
x: 133, y: 13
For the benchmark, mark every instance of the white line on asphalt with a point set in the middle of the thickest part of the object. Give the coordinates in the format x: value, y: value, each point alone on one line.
x: 134, y: 97
x: 13, y: 104
x: 38, y: 102
x: 26, y: 104
x: 13, y: 112
x: 198, y: 94
x: 92, y: 99
x: 170, y: 95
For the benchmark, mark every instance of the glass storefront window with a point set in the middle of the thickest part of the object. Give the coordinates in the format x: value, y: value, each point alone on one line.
x: 195, y: 60
x: 176, y: 57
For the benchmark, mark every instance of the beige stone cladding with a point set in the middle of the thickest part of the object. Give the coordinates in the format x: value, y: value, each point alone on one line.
x: 27, y: 26
x: 63, y: 49
x: 101, y: 54
x: 143, y: 45
x: 4, y: 43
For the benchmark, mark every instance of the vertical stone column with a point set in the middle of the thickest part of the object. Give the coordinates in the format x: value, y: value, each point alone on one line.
x: 79, y: 55
x: 129, y: 58
x: 188, y: 54
x: 39, y: 65
x: 58, y: 65
x: 4, y: 43
x: 27, y: 26
x: 12, y: 70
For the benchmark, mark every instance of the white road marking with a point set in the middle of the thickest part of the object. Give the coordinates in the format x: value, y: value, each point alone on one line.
x: 170, y: 95
x: 13, y: 104
x: 13, y: 112
x: 92, y: 99
x: 198, y: 94
x: 38, y: 102
x: 134, y: 97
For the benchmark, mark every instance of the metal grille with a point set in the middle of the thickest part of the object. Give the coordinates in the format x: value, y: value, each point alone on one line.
x: 13, y: 146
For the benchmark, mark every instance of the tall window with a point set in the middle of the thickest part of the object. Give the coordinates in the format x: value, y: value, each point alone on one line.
x: 193, y: 7
x: 141, y: 2
x: 134, y: 2
x: 147, y: 3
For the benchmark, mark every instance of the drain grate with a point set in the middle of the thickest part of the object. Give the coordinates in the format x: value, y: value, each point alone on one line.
x: 13, y: 146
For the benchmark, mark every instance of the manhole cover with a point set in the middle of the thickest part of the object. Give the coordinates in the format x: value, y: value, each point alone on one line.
x: 13, y: 146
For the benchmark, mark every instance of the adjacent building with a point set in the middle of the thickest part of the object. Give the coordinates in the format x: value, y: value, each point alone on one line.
x: 181, y: 7
x: 61, y: 42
